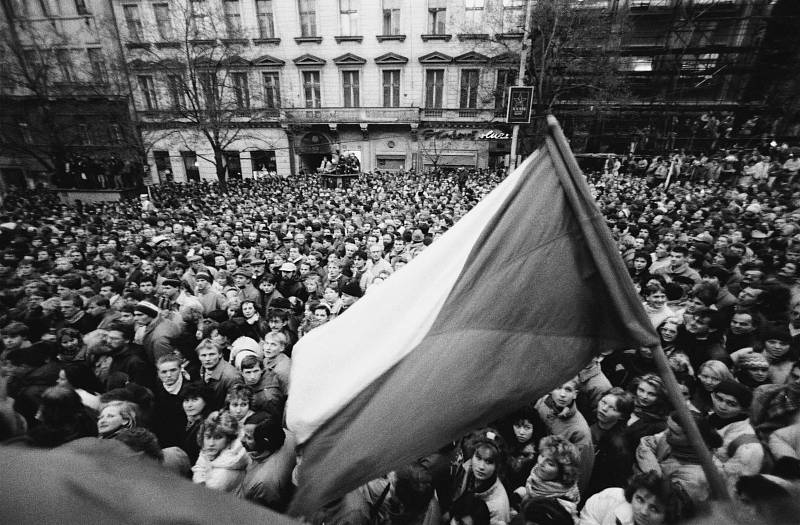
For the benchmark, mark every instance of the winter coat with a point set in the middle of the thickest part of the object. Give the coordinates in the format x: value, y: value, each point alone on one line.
x: 613, y: 461
x: 226, y: 471
x: 495, y: 497
x: 159, y: 337
x: 654, y: 453
x: 785, y: 442
x: 741, y: 453
x: 268, y: 480
x: 608, y: 507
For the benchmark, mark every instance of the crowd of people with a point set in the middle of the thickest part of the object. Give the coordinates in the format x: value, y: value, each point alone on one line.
x: 167, y: 323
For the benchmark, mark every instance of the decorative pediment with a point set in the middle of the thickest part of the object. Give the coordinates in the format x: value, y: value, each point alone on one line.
x: 235, y: 61
x: 471, y: 58
x: 268, y: 60
x: 349, y: 59
x: 505, y: 58
x: 139, y: 64
x: 170, y: 63
x: 435, y: 58
x: 205, y: 63
x: 309, y: 60
x: 391, y: 59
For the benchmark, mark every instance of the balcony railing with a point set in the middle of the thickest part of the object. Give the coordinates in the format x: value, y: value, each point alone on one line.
x: 235, y: 115
x: 461, y: 114
x: 353, y: 115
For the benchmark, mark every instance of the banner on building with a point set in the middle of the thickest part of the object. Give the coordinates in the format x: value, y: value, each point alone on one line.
x: 520, y: 102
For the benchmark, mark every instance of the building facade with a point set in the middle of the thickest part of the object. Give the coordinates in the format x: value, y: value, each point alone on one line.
x: 400, y: 84
x: 66, y: 116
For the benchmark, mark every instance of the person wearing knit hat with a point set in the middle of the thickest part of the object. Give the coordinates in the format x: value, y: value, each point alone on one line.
x: 154, y: 332
x: 148, y: 309
x: 741, y: 453
x: 753, y: 370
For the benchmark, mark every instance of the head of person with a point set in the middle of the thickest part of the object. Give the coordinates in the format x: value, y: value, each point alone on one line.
x: 558, y: 461
x: 220, y: 430
x: 252, y: 369
x: 753, y: 369
x: 274, y: 344
x: 60, y: 407
x: 649, y: 392
x: 743, y: 323
x: 655, y: 295
x: 277, y: 320
x: 469, y: 509
x: 209, y: 354
x: 711, y: 373
x: 564, y: 396
x: 119, y: 335
x: 678, y: 256
x: 411, y: 490
x: 615, y: 406
x: 195, y: 398
x: 238, y: 400
x: 731, y: 399
x: 701, y: 323
x: 117, y: 415
x: 656, y: 500
x: 262, y: 434
x: 668, y: 330
x: 77, y: 376
x: 322, y: 313
x: 249, y: 309
x: 168, y: 368
x: 145, y: 312
x: 487, y: 456
x: 522, y: 424
x: 777, y: 343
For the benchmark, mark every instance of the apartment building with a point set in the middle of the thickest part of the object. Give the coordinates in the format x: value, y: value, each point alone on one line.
x: 61, y: 91
x: 399, y: 83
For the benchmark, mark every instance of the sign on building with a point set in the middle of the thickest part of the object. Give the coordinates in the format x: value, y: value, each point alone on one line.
x: 520, y: 102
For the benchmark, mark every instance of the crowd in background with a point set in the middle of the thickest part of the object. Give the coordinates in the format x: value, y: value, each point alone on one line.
x: 167, y: 323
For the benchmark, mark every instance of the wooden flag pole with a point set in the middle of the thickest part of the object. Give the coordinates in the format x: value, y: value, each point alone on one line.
x: 716, y: 481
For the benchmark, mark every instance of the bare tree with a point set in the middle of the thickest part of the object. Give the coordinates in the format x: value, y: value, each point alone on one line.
x: 208, y: 85
x: 48, y: 82
x: 432, y: 147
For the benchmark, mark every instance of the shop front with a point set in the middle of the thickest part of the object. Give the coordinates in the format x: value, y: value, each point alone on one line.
x: 469, y: 148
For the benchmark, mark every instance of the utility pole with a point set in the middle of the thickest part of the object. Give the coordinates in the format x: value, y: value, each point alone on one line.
x: 523, y: 58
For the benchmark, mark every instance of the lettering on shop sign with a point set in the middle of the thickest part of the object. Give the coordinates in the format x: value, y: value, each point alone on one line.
x: 465, y: 134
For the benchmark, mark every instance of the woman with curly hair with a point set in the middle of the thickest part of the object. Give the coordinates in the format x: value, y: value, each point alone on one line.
x: 223, y: 460
x: 555, y: 474
x: 649, y: 499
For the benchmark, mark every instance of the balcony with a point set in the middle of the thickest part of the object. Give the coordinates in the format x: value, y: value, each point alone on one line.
x: 163, y: 116
x: 353, y: 115
x: 461, y: 115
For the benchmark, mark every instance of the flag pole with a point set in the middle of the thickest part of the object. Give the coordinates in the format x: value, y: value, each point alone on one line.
x: 716, y: 481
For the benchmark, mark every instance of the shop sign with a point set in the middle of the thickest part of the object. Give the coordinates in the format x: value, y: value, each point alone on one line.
x: 465, y: 134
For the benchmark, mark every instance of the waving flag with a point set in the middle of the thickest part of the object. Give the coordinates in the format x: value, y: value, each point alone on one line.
x: 513, y: 300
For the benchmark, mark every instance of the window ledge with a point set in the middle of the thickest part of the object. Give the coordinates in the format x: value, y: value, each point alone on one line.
x: 202, y: 41
x: 473, y: 36
x: 167, y: 45
x: 348, y: 38
x: 260, y: 41
x: 235, y: 41
x: 509, y: 36
x: 138, y: 45
x: 399, y: 38
x: 308, y: 39
x: 444, y: 37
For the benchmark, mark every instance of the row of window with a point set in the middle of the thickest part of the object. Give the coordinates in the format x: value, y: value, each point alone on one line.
x: 50, y: 8
x: 235, y: 88
x: 201, y: 23
x: 262, y: 163
x: 66, y: 59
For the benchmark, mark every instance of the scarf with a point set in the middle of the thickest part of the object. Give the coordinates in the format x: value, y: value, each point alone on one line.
x: 558, y: 412
x: 537, y: 487
x: 176, y: 387
x: 786, y: 401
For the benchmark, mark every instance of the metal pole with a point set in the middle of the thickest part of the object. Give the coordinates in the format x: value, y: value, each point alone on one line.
x: 716, y: 481
x: 523, y: 58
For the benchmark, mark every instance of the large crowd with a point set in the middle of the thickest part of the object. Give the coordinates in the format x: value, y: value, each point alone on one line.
x: 167, y: 323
